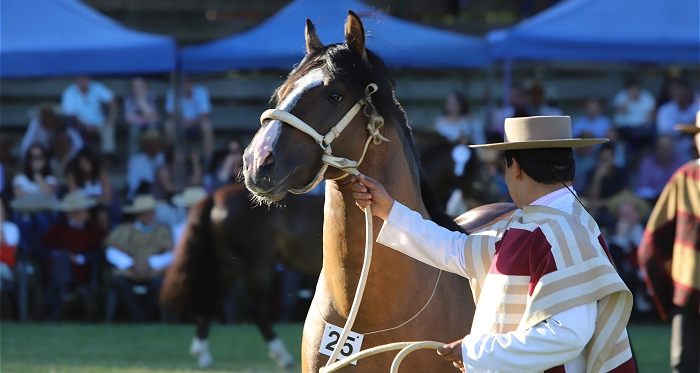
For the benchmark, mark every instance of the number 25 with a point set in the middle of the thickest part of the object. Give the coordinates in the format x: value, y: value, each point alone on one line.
x: 330, y: 346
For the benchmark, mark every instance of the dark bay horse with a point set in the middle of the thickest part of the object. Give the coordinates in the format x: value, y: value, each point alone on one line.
x: 328, y: 83
x: 229, y: 237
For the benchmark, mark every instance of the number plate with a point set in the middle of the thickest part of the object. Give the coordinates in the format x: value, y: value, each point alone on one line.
x: 331, y: 334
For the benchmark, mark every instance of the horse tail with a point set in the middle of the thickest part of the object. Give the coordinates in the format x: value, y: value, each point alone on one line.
x: 192, y: 281
x: 433, y: 206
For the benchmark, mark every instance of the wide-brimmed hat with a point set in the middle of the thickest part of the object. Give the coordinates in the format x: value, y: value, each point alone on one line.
x: 614, y: 203
x: 690, y: 128
x: 75, y: 202
x: 538, y: 133
x: 34, y: 203
x: 142, y: 203
x: 152, y: 134
x: 189, y: 197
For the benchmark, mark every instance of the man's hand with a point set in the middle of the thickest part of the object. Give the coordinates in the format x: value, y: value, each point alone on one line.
x: 452, y: 352
x: 367, y: 191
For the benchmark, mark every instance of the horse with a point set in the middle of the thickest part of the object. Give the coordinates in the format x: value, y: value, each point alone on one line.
x: 451, y: 167
x: 226, y: 237
x: 333, y: 90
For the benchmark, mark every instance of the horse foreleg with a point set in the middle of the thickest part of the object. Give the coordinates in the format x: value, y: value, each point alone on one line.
x: 200, y: 342
x: 258, y: 285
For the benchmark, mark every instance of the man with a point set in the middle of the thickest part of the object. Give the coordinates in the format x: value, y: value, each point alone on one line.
x: 657, y: 168
x: 669, y: 256
x: 140, y: 252
x: 83, y: 100
x: 547, y: 295
x: 76, y: 246
x: 196, y: 107
x: 634, y: 111
x: 42, y: 128
x: 141, y: 171
x: 681, y: 109
x: 594, y: 122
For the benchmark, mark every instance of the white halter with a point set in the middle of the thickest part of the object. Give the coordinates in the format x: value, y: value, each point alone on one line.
x: 348, y: 166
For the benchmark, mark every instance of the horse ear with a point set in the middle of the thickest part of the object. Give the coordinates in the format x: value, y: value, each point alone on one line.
x: 355, y: 35
x: 313, y: 43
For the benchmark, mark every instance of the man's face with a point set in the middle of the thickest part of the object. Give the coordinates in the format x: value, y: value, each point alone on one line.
x: 151, y: 147
x: 79, y: 217
x: 664, y: 148
x: 592, y: 108
x: 83, y: 82
x: 146, y: 218
x: 681, y: 95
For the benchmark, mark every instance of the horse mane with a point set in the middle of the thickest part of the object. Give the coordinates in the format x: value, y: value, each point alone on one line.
x: 340, y: 62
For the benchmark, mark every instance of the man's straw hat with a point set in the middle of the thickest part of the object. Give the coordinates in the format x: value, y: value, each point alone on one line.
x: 642, y: 206
x: 33, y: 203
x: 75, y: 202
x: 538, y: 133
x: 189, y: 197
x: 690, y: 128
x: 142, y: 203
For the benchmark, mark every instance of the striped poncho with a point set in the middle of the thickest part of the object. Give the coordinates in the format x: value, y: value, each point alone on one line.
x: 540, y: 262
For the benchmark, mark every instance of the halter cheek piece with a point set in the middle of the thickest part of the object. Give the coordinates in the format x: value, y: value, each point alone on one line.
x: 348, y: 166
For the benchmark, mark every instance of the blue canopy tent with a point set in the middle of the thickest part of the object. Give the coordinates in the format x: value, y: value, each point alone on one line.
x: 66, y: 37
x: 638, y: 31
x: 278, y: 43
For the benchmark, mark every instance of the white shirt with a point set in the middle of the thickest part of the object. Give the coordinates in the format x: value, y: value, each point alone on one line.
x: 192, y: 107
x: 10, y: 233
x: 670, y: 114
x: 638, y: 112
x: 36, y: 133
x: 87, y: 107
x: 558, y: 340
x: 142, y: 167
x: 467, y: 126
x: 32, y: 187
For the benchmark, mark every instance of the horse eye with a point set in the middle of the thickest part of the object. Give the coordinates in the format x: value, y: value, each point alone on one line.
x: 335, y: 97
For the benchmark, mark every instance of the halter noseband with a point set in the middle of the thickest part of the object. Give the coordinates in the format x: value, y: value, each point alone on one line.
x: 346, y: 165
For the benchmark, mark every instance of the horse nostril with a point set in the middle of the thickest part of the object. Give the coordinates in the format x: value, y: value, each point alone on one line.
x: 269, y: 160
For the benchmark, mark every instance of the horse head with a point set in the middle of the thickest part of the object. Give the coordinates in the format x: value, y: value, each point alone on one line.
x: 325, y: 98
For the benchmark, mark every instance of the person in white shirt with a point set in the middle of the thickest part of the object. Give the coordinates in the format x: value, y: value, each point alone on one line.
x: 523, y: 270
x: 538, y: 101
x: 41, y: 131
x: 594, y: 122
x: 634, y: 114
x: 456, y: 124
x: 141, y: 170
x: 83, y: 100
x: 196, y: 107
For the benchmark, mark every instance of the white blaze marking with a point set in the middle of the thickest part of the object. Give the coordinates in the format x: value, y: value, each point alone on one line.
x: 264, y: 141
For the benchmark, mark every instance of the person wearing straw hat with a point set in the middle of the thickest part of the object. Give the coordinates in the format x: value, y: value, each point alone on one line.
x: 669, y: 256
x: 140, y: 251
x: 547, y: 296
x: 188, y: 198
x: 75, y: 245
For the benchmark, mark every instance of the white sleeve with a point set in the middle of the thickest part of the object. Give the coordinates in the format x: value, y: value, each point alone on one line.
x: 118, y: 258
x: 160, y: 261
x: 105, y: 94
x: 406, y: 231
x: 555, y: 341
x: 203, y: 101
x: 67, y: 103
x: 169, y: 102
x: 10, y: 233
x: 28, y: 138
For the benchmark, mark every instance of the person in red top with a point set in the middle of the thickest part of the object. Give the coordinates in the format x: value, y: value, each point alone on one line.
x: 9, y: 239
x: 75, y: 244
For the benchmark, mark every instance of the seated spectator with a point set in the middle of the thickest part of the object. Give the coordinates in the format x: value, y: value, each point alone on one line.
x: 75, y: 245
x: 538, y: 103
x: 657, y: 168
x: 594, y: 122
x: 141, y: 171
x: 456, y: 125
x: 86, y: 176
x: 196, y: 107
x: 9, y: 241
x: 83, y: 101
x: 164, y: 187
x: 226, y: 167
x: 630, y: 214
x: 35, y: 191
x: 618, y: 147
x: 586, y: 160
x: 42, y: 128
x: 188, y: 198
x: 681, y: 109
x: 517, y: 107
x: 634, y: 115
x: 140, y: 111
x: 140, y: 251
x: 605, y: 181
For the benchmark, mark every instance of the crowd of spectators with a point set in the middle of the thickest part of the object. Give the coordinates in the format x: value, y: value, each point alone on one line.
x: 64, y: 222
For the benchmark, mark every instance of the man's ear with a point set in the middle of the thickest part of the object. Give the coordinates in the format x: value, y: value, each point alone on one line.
x: 517, y: 170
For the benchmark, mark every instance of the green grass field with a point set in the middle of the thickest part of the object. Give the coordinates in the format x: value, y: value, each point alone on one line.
x: 101, y: 348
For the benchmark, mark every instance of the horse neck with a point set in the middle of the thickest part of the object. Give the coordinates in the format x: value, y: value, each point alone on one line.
x: 394, y: 166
